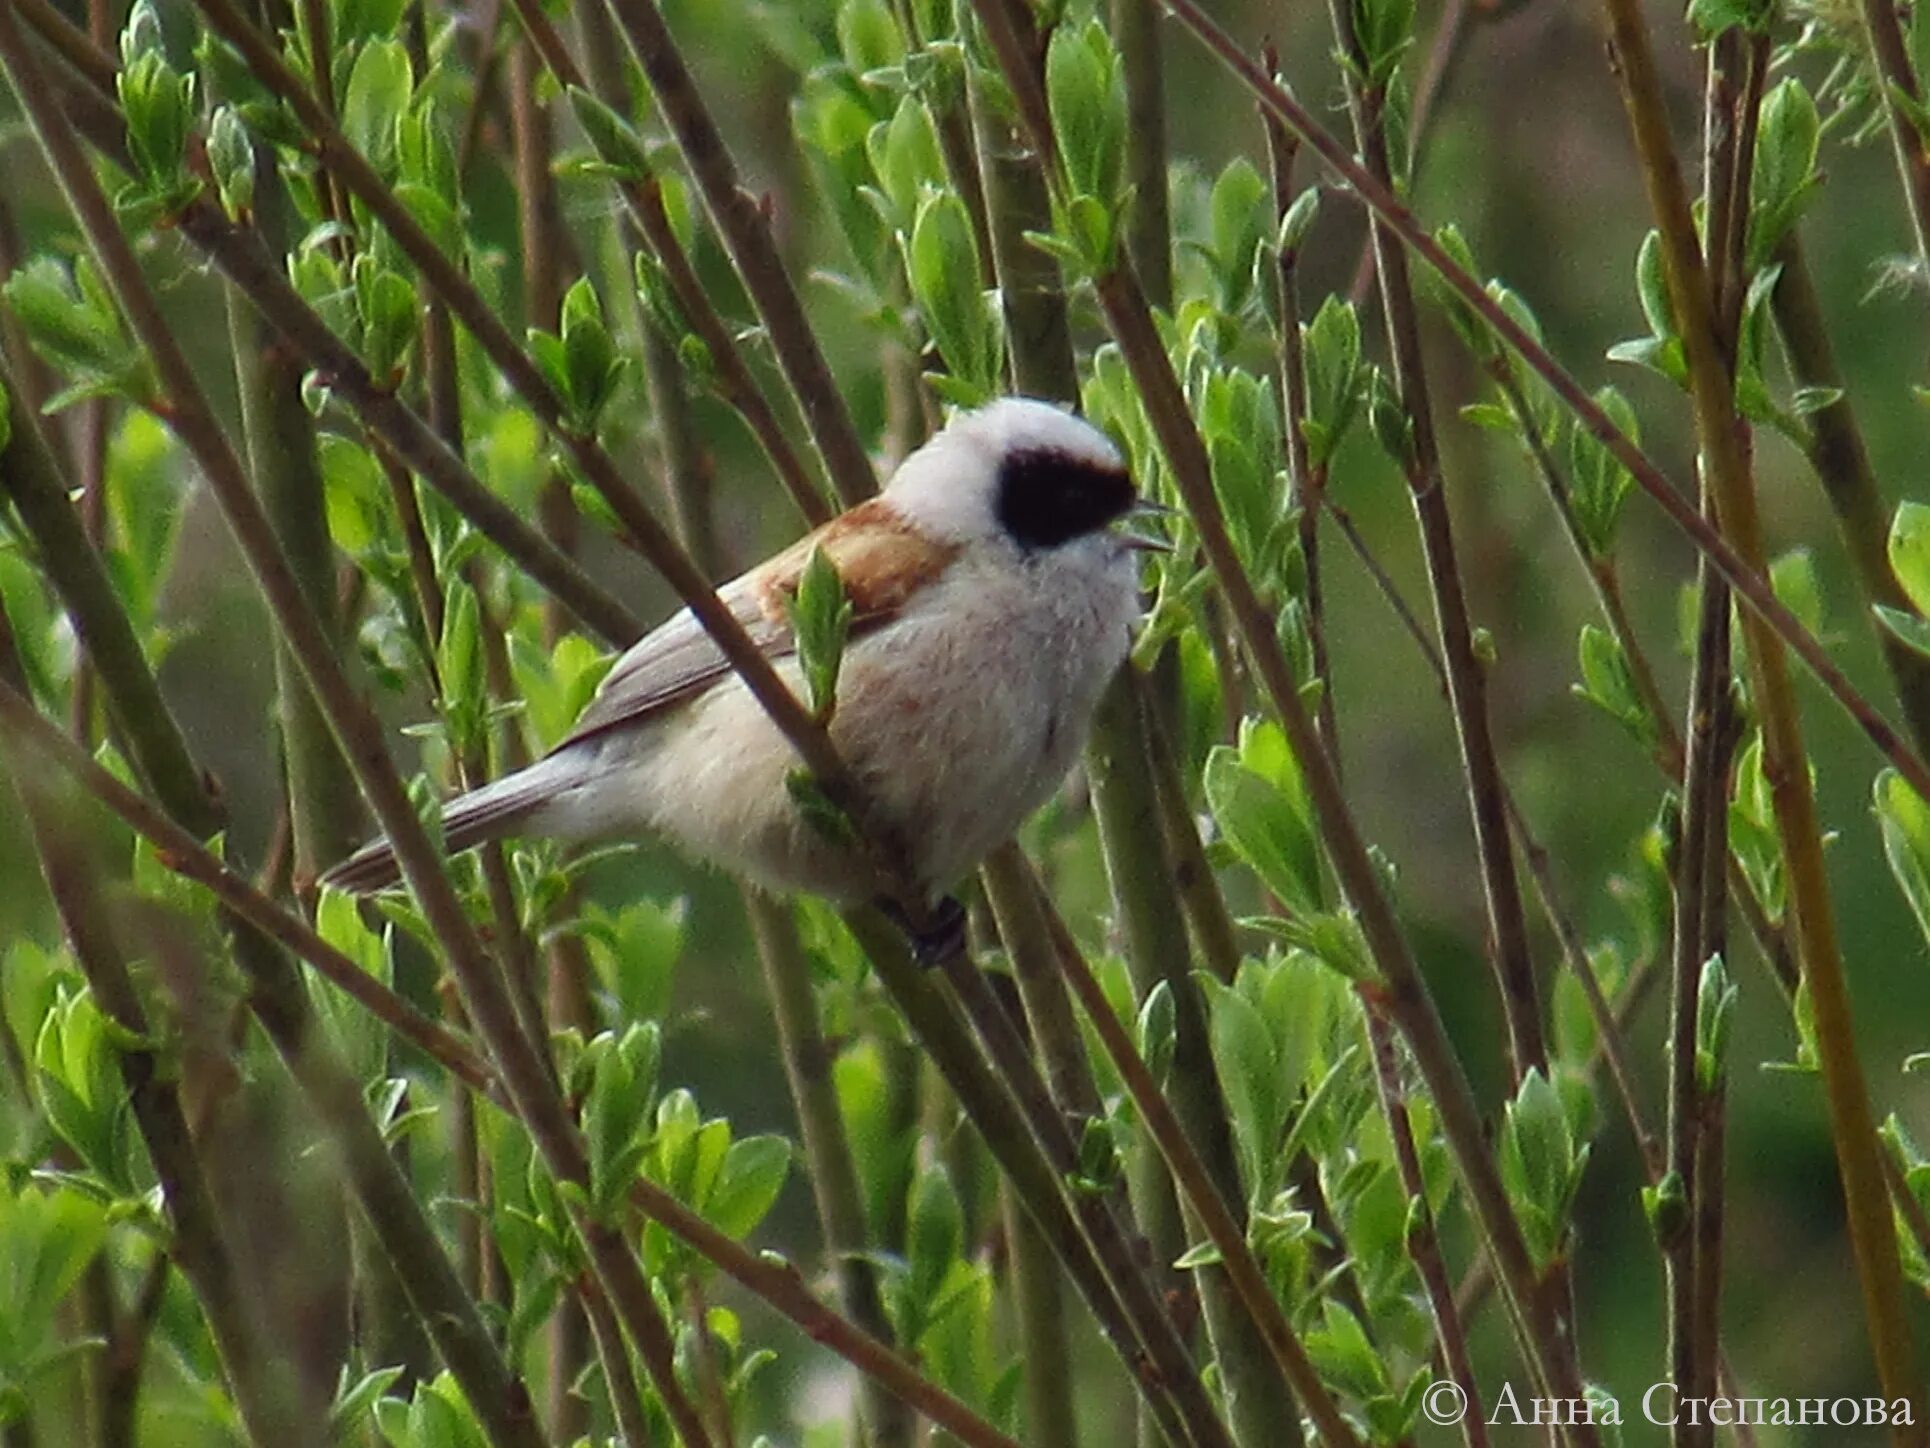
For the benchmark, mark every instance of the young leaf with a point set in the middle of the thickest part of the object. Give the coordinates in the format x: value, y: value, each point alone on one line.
x: 1910, y: 552
x: 1087, y: 97
x: 379, y: 88
x: 821, y: 618
x: 1904, y: 819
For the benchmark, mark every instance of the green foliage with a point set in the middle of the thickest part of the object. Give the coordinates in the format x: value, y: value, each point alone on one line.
x: 734, y: 1183
x: 1785, y: 179
x: 77, y: 1060
x: 1904, y: 819
x: 438, y: 1415
x: 962, y: 319
x: 1260, y: 805
x: 47, y: 1239
x: 821, y: 619
x: 71, y: 320
x: 582, y: 364
x: 1335, y: 378
x: 1598, y: 483
x: 1609, y: 684
x: 904, y: 125
x: 1541, y: 1164
x: 161, y: 108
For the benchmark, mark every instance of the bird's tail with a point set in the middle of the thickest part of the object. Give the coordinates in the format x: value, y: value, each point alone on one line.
x: 497, y: 809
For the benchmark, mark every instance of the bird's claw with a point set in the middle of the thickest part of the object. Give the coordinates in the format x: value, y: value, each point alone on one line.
x: 937, y: 938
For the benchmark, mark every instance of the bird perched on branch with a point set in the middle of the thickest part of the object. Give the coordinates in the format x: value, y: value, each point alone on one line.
x: 992, y: 598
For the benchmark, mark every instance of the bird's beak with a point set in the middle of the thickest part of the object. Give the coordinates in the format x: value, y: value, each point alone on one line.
x: 1146, y: 510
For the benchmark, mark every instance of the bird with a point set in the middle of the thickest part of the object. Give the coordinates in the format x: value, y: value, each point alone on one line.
x: 993, y: 597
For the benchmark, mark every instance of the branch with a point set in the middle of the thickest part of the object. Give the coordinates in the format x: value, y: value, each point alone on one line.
x: 644, y: 199
x: 747, y: 236
x: 1748, y: 581
x: 1190, y: 1173
x: 1842, y: 465
x: 1726, y: 465
x: 1466, y: 674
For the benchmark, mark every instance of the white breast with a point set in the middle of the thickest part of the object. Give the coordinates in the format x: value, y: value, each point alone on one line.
x: 960, y: 717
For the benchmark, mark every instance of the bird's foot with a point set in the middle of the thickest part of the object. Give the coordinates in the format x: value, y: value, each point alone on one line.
x: 935, y: 939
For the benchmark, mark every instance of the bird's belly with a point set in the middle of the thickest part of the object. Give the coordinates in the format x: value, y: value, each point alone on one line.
x: 956, y: 732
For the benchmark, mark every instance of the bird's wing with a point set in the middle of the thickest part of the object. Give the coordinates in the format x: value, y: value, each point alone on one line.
x: 880, y: 559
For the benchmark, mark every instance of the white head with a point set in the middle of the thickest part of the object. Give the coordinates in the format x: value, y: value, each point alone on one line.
x: 1020, y: 468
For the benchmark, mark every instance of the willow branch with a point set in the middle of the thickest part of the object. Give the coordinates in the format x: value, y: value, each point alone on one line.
x: 1749, y: 582
x: 1842, y: 465
x: 263, y: 1387
x: 1726, y: 464
x: 1406, y: 995
x: 747, y: 236
x: 31, y: 477
x: 1466, y: 674
x: 644, y: 200
x: 1022, y: 1162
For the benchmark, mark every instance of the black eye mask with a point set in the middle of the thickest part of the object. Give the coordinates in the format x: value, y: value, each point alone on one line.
x: 1046, y: 497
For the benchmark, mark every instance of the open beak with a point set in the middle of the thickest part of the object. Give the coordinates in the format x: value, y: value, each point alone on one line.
x: 1144, y: 511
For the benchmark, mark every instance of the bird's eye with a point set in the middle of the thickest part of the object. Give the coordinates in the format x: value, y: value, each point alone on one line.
x: 1046, y: 497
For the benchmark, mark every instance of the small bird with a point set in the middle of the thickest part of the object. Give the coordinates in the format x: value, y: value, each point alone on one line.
x: 992, y: 600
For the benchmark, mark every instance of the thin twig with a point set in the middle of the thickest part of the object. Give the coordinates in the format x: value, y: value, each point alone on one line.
x: 747, y: 236
x: 1842, y: 465
x: 1423, y: 1246
x: 1727, y: 469
x: 1749, y: 582
x: 1192, y: 1177
x: 1466, y: 674
x: 644, y: 200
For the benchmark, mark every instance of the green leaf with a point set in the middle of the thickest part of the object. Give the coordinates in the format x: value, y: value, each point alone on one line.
x: 459, y: 659
x: 1086, y: 94
x: 388, y: 307
x: 1904, y: 820
x: 1715, y: 1007
x: 231, y: 157
x: 1341, y: 1350
x: 1330, y: 344
x: 1383, y: 29
x: 934, y: 1234
x: 906, y: 160
x: 1609, y: 683
x: 1297, y: 222
x: 821, y: 619
x: 71, y: 320
x: 1910, y: 552
x: 1266, y: 827
x: 589, y: 362
x: 379, y: 89
x: 1793, y: 577
x: 1784, y: 178
x: 614, y: 139
x: 961, y: 319
x: 160, y: 106
x: 747, y: 1186
x: 868, y: 36
x: 1598, y: 483
x: 1911, y: 630
x: 6, y: 418
x: 1651, y: 284
x: 1540, y: 1166
x: 1238, y: 208
x: 1250, y: 1075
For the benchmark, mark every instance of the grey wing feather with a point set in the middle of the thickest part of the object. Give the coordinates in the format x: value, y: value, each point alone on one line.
x: 675, y: 661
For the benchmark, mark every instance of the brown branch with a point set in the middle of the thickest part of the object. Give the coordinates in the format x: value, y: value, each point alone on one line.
x: 1466, y: 674
x: 747, y: 236
x: 1748, y: 581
